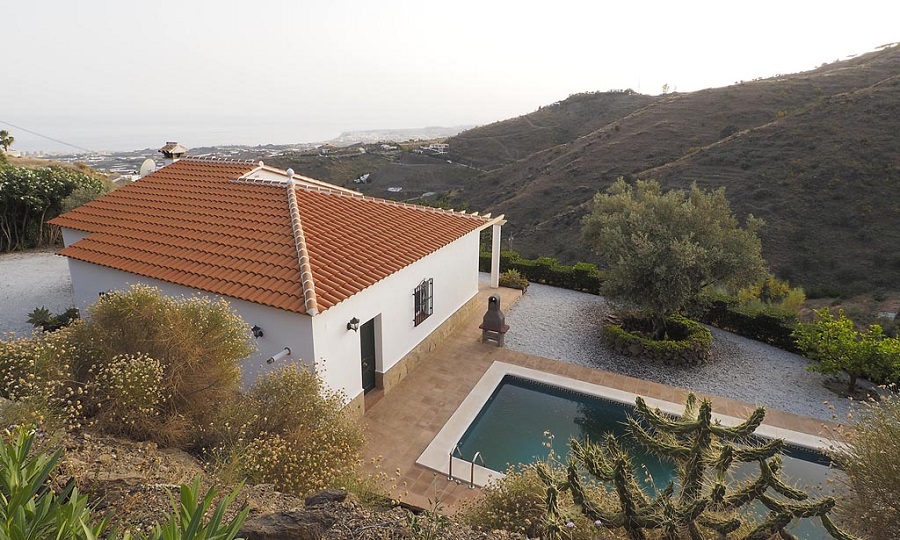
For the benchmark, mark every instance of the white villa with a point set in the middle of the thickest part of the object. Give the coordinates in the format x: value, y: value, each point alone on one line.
x: 353, y: 286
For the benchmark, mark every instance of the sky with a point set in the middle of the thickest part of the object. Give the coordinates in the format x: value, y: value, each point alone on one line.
x: 121, y: 75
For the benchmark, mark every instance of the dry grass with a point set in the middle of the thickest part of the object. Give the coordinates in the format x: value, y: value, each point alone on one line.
x: 813, y: 154
x: 872, y: 466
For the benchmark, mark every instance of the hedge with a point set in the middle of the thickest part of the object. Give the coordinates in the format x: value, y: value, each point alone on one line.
x: 723, y: 311
x: 585, y: 277
x: 692, y: 346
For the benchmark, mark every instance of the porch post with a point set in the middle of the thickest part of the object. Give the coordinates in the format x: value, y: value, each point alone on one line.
x: 495, y: 257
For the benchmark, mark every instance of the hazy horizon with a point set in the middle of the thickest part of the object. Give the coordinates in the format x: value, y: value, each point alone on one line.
x: 130, y: 75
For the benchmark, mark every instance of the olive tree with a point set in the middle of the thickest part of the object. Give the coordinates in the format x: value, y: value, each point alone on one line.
x: 662, y: 248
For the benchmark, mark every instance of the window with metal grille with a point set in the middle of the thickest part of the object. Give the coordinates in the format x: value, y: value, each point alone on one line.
x: 424, y: 302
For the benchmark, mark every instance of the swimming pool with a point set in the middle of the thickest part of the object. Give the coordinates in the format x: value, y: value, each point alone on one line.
x: 497, y: 420
x: 512, y: 425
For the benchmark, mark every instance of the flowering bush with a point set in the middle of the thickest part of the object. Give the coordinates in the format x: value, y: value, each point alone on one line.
x: 198, y: 344
x: 35, y: 373
x: 514, y: 503
x: 289, y: 430
x: 514, y: 280
x: 127, y: 394
x: 29, y: 197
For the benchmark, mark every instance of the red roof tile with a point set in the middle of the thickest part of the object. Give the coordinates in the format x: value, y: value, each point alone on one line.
x: 196, y: 223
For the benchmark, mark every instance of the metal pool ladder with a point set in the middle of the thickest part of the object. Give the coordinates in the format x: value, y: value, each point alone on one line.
x: 472, y: 471
x: 457, y: 452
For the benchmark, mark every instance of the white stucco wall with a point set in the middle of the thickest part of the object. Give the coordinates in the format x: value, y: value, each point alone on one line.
x: 70, y: 236
x: 280, y: 328
x: 324, y: 339
x: 454, y: 269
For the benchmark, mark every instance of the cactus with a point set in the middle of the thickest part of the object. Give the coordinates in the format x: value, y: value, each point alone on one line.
x: 703, y: 501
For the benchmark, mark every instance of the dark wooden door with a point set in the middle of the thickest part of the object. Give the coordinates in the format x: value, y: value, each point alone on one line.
x: 367, y: 353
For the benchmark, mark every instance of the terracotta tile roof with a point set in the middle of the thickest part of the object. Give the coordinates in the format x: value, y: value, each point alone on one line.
x: 205, y: 225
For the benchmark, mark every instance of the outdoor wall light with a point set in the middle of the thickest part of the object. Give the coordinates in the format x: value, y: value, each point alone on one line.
x: 257, y: 332
x: 280, y: 356
x: 353, y: 324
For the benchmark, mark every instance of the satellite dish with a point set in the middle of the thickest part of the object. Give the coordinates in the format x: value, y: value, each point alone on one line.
x: 147, y: 167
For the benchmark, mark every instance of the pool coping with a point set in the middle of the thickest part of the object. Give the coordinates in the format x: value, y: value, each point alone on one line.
x: 436, y: 455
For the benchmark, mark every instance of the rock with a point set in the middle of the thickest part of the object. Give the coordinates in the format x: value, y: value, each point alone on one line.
x: 324, y: 497
x: 635, y: 349
x: 293, y: 525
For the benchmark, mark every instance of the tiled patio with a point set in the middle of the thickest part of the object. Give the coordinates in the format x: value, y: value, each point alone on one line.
x: 402, y: 424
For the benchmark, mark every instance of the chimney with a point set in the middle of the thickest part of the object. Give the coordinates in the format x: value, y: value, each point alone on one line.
x: 172, y: 152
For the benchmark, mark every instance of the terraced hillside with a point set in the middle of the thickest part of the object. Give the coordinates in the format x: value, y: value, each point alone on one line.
x: 816, y: 154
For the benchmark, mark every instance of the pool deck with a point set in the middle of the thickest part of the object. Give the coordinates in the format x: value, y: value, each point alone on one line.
x: 402, y: 424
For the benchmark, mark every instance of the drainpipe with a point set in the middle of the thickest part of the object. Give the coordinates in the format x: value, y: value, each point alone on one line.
x: 279, y: 356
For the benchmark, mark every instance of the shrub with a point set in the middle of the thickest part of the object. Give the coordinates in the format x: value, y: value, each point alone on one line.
x: 289, y: 430
x: 30, y: 197
x: 772, y: 295
x: 687, y: 341
x: 518, y: 503
x: 514, y: 280
x: 127, y: 394
x: 514, y: 503
x: 774, y: 326
x: 199, y: 344
x: 35, y: 373
x: 585, y: 277
x: 871, y: 462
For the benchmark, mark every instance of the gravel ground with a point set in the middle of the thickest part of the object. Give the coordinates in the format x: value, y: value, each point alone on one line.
x: 31, y: 280
x: 565, y: 325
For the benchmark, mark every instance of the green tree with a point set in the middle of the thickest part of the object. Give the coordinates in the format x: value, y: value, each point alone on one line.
x: 662, y: 249
x: 30, y: 197
x: 838, y: 347
x: 6, y: 140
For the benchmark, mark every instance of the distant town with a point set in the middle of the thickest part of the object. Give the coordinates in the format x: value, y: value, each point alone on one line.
x: 128, y: 163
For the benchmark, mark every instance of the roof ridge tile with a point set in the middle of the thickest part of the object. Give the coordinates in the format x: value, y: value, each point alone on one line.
x: 214, y: 159
x: 310, y: 301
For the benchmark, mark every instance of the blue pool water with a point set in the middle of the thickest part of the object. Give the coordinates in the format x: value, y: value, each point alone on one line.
x: 510, y: 429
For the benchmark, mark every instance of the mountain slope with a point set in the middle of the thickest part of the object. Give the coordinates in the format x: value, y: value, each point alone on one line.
x: 492, y: 146
x: 772, y: 143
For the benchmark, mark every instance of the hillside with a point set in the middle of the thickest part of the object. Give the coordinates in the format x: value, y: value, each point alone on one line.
x: 492, y: 146
x: 814, y: 153
x: 418, y: 176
